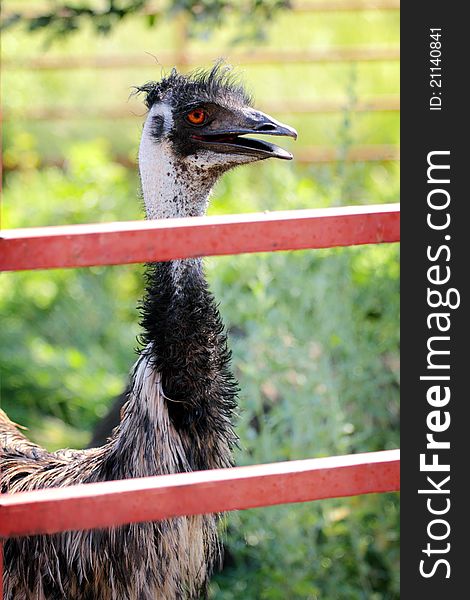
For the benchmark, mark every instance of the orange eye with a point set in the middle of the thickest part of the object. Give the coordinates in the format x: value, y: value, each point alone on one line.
x: 196, y: 116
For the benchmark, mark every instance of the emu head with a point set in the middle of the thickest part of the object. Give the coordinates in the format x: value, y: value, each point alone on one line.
x: 193, y: 133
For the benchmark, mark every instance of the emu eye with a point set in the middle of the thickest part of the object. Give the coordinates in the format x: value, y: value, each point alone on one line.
x: 197, y: 116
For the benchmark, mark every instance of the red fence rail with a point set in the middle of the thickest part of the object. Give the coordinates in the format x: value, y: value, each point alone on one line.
x: 304, y: 156
x: 333, y: 54
x: 154, y: 498
x: 143, y: 241
x: 383, y: 103
x: 296, y: 6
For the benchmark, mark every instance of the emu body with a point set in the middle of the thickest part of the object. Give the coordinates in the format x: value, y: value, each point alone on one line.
x: 181, y: 395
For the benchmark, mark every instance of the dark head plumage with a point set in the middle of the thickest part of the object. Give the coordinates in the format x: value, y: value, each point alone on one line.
x: 218, y: 84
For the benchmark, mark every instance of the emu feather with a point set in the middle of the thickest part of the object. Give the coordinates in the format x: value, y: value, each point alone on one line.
x: 181, y: 396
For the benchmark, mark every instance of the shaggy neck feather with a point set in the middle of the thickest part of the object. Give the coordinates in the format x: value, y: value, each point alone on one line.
x: 183, y: 393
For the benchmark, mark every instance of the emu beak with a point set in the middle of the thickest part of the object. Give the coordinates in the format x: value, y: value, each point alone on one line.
x: 229, y: 141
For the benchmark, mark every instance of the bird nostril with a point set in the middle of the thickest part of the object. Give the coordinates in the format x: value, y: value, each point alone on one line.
x: 266, y: 127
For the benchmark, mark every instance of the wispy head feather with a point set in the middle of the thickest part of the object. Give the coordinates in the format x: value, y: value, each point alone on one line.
x: 219, y: 84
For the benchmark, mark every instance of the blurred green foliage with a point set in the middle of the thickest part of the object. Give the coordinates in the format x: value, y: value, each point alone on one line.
x: 314, y: 333
x: 75, y: 335
x: 61, y: 19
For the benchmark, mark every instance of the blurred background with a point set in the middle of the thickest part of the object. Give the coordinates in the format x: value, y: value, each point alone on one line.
x: 314, y: 333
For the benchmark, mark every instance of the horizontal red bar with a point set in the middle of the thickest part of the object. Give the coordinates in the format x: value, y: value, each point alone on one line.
x: 153, y: 498
x: 159, y: 240
x: 372, y: 53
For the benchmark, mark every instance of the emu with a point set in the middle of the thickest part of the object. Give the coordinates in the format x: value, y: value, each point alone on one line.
x: 181, y: 396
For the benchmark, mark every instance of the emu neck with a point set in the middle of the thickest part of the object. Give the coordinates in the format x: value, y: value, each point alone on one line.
x: 170, y: 191
x: 182, y: 392
x: 171, y: 187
